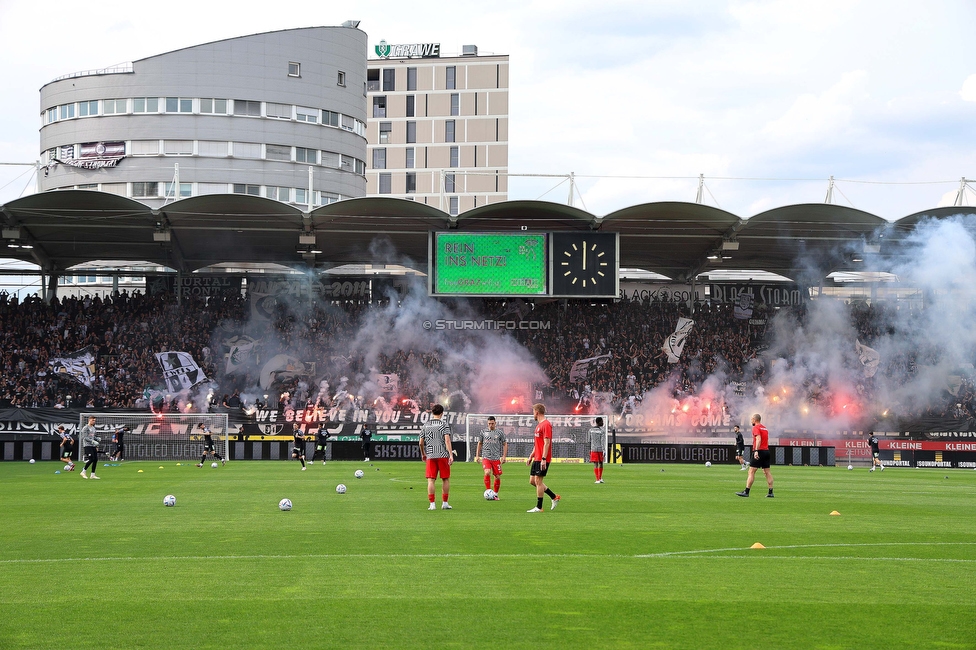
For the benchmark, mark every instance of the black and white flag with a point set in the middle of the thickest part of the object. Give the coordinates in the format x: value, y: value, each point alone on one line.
x: 180, y: 371
x: 869, y: 358
x: 675, y: 344
x: 79, y: 365
x: 582, y: 366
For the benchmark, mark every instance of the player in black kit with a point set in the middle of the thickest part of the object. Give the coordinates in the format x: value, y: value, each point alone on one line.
x: 298, y: 450
x: 321, y: 440
x: 208, y: 446
x: 367, y: 437
x: 875, y: 452
x: 740, y: 447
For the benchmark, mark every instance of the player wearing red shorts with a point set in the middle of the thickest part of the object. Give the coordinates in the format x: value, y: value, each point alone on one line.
x: 492, y: 449
x: 540, y: 458
x: 598, y: 448
x: 435, y: 450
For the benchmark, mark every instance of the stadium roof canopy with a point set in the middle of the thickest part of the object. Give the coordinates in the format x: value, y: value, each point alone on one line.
x: 677, y: 240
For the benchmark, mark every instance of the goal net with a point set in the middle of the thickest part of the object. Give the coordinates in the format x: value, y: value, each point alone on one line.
x: 169, y: 436
x: 570, y: 435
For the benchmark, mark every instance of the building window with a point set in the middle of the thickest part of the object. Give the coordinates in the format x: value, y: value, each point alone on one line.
x: 145, y: 190
x: 386, y: 184
x: 301, y: 195
x: 379, y: 106
x: 186, y: 189
x: 372, y: 80
x: 280, y: 111
x: 247, y: 150
x: 253, y: 190
x: 347, y: 163
x: 179, y: 105
x: 52, y: 115
x: 360, y: 166
x: 449, y: 184
x: 247, y: 108
x: 449, y: 131
x: 411, y: 158
x: 67, y: 152
x: 455, y: 157
x: 294, y: 69
x: 113, y: 106
x: 330, y: 118
x: 411, y: 105
x: 278, y: 193
x: 144, y: 148
x: 178, y: 147
x: 330, y: 159
x: 213, y: 106
x: 411, y: 183
x: 455, y: 104
x: 310, y: 115
x: 310, y: 156
x: 451, y: 77
x: 411, y: 78
x: 67, y: 111
x: 87, y: 108
x: 211, y: 188
x: 277, y: 152
x: 453, y: 202
x: 386, y: 128
x: 389, y: 80
x: 379, y: 158
x: 411, y: 131
x: 212, y: 148
x: 341, y: 79
x: 145, y: 105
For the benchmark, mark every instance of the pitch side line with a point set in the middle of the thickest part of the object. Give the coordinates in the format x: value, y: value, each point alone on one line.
x: 422, y: 556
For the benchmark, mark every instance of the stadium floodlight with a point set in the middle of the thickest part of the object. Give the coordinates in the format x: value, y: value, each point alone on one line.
x: 162, y: 236
x: 730, y: 245
x: 307, y: 239
x: 11, y: 233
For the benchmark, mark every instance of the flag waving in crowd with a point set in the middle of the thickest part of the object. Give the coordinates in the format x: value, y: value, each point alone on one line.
x: 675, y: 344
x: 79, y: 365
x: 180, y: 371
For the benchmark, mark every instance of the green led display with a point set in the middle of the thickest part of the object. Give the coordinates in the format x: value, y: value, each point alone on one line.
x: 489, y: 264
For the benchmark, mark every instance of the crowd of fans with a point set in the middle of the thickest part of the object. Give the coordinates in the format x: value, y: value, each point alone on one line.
x: 126, y: 331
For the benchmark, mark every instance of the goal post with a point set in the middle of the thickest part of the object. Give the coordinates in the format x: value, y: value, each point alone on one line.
x: 163, y: 436
x: 570, y: 435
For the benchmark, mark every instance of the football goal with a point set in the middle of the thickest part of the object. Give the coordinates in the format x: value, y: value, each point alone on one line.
x: 570, y: 435
x: 164, y: 436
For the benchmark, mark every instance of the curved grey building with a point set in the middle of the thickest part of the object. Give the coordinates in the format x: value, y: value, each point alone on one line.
x: 280, y: 115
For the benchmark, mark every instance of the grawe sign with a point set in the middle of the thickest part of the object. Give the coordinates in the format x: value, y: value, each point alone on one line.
x: 408, y: 51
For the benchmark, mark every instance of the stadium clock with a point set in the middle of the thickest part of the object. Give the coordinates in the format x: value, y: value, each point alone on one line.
x: 584, y: 264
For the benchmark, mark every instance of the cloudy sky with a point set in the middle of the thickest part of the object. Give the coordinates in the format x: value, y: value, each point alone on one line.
x: 766, y: 99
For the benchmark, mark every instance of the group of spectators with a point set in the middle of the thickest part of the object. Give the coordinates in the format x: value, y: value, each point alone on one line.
x: 126, y: 331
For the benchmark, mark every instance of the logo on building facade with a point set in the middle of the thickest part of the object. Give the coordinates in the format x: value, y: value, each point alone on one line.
x: 408, y: 51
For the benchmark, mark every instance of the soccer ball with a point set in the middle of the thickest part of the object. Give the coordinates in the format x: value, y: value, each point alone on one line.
x: 284, y: 504
x: 67, y: 468
x: 490, y: 495
x: 850, y: 467
x: 359, y: 473
x: 340, y: 489
x: 169, y: 501
x: 708, y: 463
x: 214, y: 465
x: 31, y: 461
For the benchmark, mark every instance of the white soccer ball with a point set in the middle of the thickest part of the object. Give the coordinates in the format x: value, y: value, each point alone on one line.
x: 340, y: 489
x: 169, y: 501
x: 359, y: 473
x: 31, y: 461
x: 214, y: 465
x: 708, y: 463
x: 284, y: 504
x: 67, y: 468
x: 850, y: 467
x: 490, y: 495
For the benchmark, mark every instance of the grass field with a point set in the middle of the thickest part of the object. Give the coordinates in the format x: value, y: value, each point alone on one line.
x: 657, y: 557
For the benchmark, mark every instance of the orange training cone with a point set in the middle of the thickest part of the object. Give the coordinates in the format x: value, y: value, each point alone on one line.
x: 834, y: 514
x: 757, y: 545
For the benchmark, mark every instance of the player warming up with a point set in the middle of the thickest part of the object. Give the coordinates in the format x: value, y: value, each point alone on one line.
x: 875, y: 453
x: 541, y: 456
x: 321, y: 443
x: 760, y: 456
x: 740, y: 448
x: 209, y: 448
x: 492, y: 449
x: 89, y: 442
x: 598, y: 448
x: 67, y: 448
x: 298, y: 448
x: 438, y: 456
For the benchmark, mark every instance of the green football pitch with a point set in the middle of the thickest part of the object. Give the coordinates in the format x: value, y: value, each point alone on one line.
x: 657, y: 557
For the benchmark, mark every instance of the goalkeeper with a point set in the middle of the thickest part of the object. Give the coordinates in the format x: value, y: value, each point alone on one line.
x: 90, y: 441
x: 208, y: 446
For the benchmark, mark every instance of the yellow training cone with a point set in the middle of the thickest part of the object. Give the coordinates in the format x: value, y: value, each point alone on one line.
x: 834, y: 514
x: 139, y: 472
x: 757, y: 545
x: 160, y: 467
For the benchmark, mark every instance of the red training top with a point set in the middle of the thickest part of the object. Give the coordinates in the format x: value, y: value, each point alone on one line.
x: 542, y: 431
x: 760, y: 437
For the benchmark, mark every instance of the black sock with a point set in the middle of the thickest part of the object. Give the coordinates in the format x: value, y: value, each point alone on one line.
x: 303, y: 461
x: 539, y: 503
x: 747, y: 490
x: 552, y: 495
x: 203, y: 458
x: 770, y: 490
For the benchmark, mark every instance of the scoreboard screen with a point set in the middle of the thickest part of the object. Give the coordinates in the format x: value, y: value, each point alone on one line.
x: 489, y: 264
